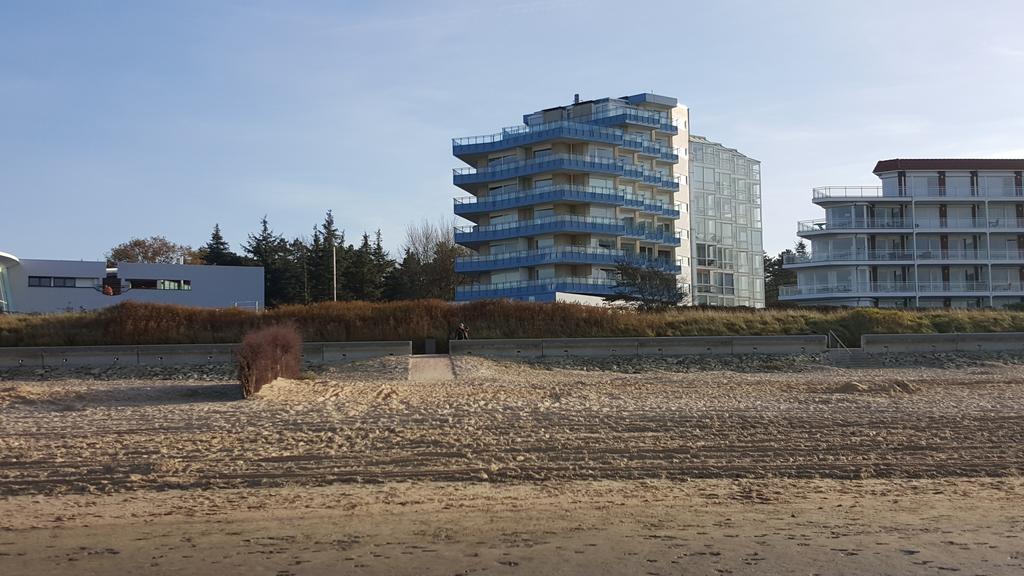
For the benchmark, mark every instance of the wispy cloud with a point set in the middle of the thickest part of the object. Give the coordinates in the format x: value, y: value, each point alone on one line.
x: 1007, y: 51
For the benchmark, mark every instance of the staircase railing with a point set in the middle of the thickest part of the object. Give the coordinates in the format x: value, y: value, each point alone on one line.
x: 839, y: 344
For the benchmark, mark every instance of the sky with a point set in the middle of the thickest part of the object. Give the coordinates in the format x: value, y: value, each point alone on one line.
x: 139, y: 118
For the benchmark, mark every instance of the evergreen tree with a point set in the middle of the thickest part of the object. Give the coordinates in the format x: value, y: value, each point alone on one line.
x: 775, y: 276
x: 269, y: 250
x: 361, y: 281
x: 405, y: 281
x: 217, y: 251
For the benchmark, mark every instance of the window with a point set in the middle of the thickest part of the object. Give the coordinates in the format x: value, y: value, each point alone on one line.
x: 542, y: 152
x: 148, y: 284
x: 61, y: 282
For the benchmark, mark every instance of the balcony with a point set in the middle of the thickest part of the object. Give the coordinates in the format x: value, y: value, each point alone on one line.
x: 821, y: 225
x: 875, y: 193
x: 472, y: 205
x: 562, y: 255
x: 564, y: 130
x: 871, y: 289
x: 849, y: 256
x: 467, y: 235
x: 524, y: 288
x: 922, y: 256
x: 818, y: 226
x: 562, y: 162
x: 625, y: 115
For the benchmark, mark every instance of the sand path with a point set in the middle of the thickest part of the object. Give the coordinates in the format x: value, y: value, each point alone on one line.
x: 431, y: 368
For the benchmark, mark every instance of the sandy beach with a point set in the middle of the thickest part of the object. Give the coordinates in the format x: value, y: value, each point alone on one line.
x: 562, y: 467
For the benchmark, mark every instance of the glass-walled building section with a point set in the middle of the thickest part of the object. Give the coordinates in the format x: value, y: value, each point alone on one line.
x: 725, y: 226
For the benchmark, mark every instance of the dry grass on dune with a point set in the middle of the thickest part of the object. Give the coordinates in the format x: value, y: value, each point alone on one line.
x: 133, y: 323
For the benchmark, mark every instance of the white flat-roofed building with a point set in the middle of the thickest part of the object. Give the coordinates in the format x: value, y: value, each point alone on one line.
x: 44, y: 286
x: 936, y: 233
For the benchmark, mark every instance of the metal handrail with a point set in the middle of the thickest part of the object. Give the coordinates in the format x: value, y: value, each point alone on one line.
x: 980, y: 191
x: 610, y: 193
x: 615, y: 163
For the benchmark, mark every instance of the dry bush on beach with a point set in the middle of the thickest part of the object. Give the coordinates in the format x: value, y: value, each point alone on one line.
x: 267, y: 354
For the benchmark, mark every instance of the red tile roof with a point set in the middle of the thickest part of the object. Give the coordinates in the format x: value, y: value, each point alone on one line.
x: 948, y: 164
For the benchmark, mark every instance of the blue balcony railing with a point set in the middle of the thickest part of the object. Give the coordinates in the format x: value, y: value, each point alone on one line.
x: 592, y: 286
x: 564, y: 224
x: 592, y: 194
x: 565, y: 129
x: 563, y: 162
x: 561, y: 255
x: 624, y: 115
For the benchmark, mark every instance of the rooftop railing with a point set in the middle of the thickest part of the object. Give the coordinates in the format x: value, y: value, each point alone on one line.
x: 909, y: 193
x: 519, y: 135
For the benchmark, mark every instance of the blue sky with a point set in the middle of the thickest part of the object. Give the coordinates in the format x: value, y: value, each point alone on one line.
x: 121, y: 119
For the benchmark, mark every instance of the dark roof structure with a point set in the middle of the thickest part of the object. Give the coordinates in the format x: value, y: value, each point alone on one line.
x: 948, y: 164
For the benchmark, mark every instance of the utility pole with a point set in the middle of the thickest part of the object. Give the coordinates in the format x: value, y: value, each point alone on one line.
x: 334, y: 269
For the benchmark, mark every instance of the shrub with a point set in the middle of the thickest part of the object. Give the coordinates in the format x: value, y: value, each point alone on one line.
x: 267, y: 354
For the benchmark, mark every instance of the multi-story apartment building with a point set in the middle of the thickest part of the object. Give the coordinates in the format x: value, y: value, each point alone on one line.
x: 936, y: 233
x: 557, y: 202
x: 727, y: 256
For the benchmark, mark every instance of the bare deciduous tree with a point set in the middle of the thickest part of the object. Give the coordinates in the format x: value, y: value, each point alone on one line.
x: 154, y: 250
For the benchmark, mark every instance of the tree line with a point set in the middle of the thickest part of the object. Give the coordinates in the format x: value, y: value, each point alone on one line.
x: 302, y: 270
x: 775, y: 276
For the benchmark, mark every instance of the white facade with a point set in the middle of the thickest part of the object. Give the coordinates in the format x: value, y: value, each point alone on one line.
x: 45, y: 286
x: 936, y: 233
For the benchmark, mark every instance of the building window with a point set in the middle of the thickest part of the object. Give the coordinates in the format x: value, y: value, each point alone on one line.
x: 49, y: 281
x: 148, y: 284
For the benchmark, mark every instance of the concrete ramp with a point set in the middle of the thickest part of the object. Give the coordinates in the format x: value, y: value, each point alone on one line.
x: 431, y: 368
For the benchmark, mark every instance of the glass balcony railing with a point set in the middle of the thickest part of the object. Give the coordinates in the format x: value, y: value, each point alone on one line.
x: 977, y: 223
x: 921, y: 255
x: 568, y: 162
x: 628, y: 115
x: 876, y: 192
x: 849, y: 256
x: 578, y: 285
x: 562, y: 255
x: 593, y: 194
x: 556, y: 224
x: 901, y: 288
x: 821, y: 225
x: 565, y: 129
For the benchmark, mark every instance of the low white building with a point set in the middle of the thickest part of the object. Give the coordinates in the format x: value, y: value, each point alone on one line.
x: 43, y: 286
x: 936, y: 233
